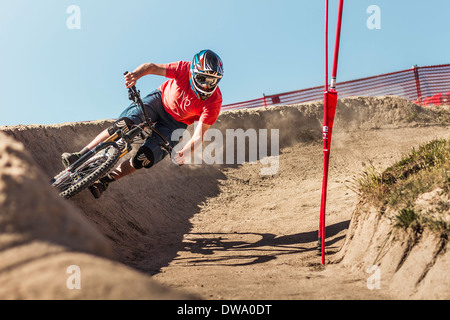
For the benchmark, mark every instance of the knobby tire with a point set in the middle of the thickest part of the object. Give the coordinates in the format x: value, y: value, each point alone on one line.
x: 99, y: 172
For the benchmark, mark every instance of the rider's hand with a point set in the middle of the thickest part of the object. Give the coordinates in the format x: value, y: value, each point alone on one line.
x: 130, y: 79
x: 178, y: 158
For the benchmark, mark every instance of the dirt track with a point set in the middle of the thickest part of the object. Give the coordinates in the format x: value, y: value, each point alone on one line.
x: 226, y: 231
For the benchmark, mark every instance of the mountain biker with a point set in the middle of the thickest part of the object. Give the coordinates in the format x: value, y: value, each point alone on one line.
x: 191, y: 94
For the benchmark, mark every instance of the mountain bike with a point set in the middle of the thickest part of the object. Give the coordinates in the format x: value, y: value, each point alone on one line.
x: 98, y: 162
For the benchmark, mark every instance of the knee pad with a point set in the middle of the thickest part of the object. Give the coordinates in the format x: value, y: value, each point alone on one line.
x: 144, y: 158
x: 124, y: 124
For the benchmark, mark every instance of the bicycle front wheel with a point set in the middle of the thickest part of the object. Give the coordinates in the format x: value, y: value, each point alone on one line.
x: 94, y: 168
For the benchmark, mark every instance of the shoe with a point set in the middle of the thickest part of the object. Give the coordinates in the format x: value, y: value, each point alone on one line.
x: 100, y: 186
x: 69, y: 158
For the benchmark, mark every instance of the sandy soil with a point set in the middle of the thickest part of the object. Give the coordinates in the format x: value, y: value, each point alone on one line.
x: 223, y: 231
x: 261, y: 234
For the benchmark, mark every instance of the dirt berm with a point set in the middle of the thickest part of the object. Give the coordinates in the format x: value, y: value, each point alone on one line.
x: 221, y: 231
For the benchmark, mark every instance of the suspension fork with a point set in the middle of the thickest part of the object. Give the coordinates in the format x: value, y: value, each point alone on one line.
x: 110, y: 141
x: 89, y: 154
x: 116, y: 136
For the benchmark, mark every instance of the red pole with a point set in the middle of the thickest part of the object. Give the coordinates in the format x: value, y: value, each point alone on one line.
x: 321, y: 232
x: 326, y: 45
x: 419, y: 92
x: 264, y: 98
x: 336, y: 46
x: 328, y: 117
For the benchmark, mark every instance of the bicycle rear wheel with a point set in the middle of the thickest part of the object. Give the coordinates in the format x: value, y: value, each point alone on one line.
x: 97, y: 166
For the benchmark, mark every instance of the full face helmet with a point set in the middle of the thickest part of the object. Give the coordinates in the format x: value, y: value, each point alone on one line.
x: 205, y: 74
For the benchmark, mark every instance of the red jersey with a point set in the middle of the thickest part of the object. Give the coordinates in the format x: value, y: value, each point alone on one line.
x: 180, y: 101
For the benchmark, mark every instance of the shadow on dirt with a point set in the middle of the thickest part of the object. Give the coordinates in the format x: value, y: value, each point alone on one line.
x: 239, y: 249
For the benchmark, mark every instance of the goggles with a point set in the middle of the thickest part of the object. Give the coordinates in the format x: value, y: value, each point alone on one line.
x: 207, y: 82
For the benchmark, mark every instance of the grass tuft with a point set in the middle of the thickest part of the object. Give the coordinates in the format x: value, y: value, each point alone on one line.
x: 399, y: 186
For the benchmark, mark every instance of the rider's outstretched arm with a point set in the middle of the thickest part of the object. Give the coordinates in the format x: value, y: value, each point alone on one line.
x: 143, y: 70
x: 190, y: 147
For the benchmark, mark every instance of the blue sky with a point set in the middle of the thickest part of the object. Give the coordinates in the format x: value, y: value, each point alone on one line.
x: 53, y: 74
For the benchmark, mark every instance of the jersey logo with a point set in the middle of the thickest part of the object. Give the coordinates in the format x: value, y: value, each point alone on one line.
x: 185, y: 102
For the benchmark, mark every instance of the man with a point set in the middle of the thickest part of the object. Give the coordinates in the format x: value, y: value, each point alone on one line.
x: 192, y: 94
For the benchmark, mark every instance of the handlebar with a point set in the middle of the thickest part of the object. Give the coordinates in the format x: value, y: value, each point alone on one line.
x: 133, y: 93
x: 135, y: 96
